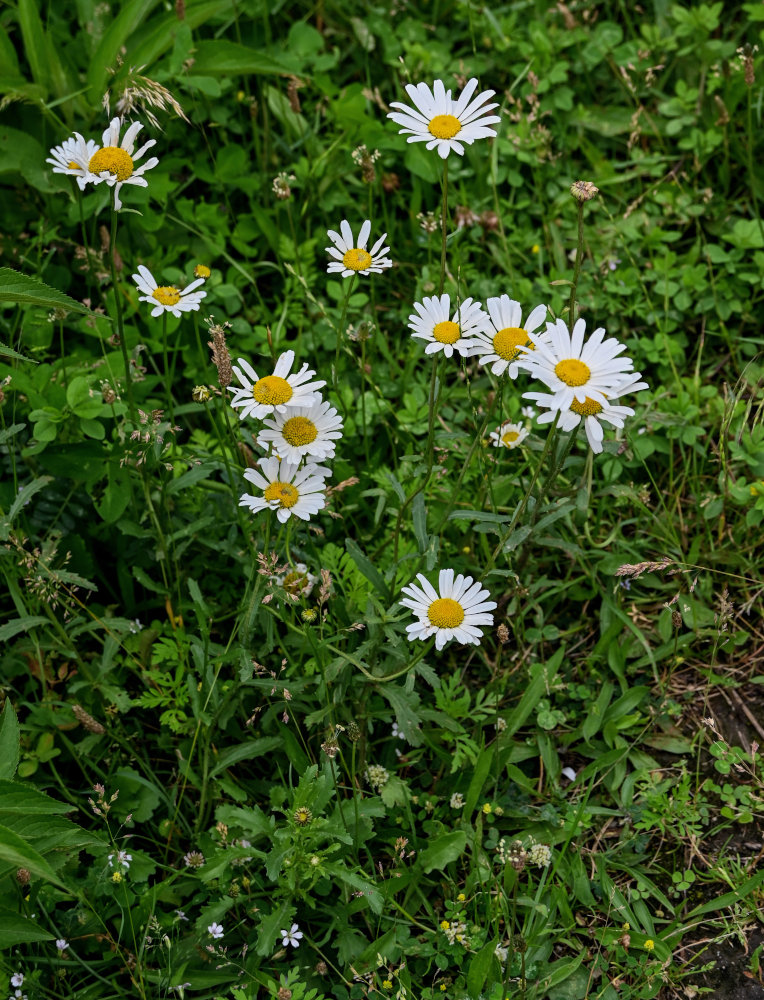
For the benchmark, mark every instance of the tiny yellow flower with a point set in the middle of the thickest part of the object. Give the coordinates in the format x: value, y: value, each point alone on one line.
x: 387, y: 984
x: 444, y: 925
x: 240, y: 95
x: 649, y: 945
x: 487, y: 808
x: 442, y: 987
x: 466, y: 550
x: 202, y: 271
x: 461, y: 897
x: 626, y: 927
x: 535, y: 248
x: 116, y: 877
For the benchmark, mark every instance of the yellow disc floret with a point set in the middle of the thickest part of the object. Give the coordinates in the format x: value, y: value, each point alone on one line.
x: 71, y: 165
x: 202, y: 271
x: 168, y: 295
x: 444, y: 126
x: 286, y: 494
x: 507, y: 342
x: 446, y: 332
x: 445, y: 613
x: 298, y: 431
x: 572, y: 372
x: 509, y: 437
x: 114, y: 159
x: 586, y: 409
x: 272, y: 390
x: 356, y: 259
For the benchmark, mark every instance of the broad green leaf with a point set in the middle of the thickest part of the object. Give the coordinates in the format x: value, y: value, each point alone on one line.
x: 158, y: 36
x: 368, y: 569
x: 28, y: 291
x: 9, y: 63
x: 443, y: 850
x: 17, y: 625
x: 246, y: 751
x: 9, y: 741
x: 27, y: 800
x: 483, y: 967
x: 18, y: 853
x: 17, y: 929
x: 8, y: 352
x: 223, y: 58
x: 35, y: 42
x: 479, y: 776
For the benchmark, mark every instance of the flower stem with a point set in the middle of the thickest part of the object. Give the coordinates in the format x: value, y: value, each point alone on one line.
x: 118, y: 306
x: 340, y: 332
x: 577, y: 267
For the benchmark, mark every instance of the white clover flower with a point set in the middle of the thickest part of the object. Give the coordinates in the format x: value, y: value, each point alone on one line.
x: 453, y: 613
x: 505, y: 333
x: 288, y: 490
x: 292, y: 936
x: 353, y: 258
x: 377, y: 776
x: 433, y: 323
x: 591, y: 411
x: 167, y: 298
x: 540, y: 855
x: 501, y: 953
x: 456, y: 801
x: 303, y: 432
x: 72, y: 158
x: 215, y: 930
x: 62, y: 944
x: 115, y: 161
x: 574, y: 368
x: 276, y: 393
x: 441, y: 122
x: 123, y: 859
x: 508, y: 435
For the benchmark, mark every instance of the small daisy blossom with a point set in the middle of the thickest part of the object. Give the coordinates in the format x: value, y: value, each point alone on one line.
x: 353, y: 258
x: 303, y: 432
x: 292, y: 936
x: 115, y: 161
x: 72, y: 158
x: 286, y: 488
x: 167, y: 298
x: 591, y: 411
x: 574, y: 368
x: 443, y: 123
x: 508, y: 435
x: 433, y: 323
x: 276, y: 393
x: 215, y: 930
x: 454, y: 611
x: 504, y: 334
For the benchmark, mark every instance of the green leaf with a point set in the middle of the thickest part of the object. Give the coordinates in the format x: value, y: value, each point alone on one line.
x: 8, y: 352
x: 16, y: 625
x: 131, y: 16
x: 443, y: 850
x: 483, y: 967
x: 269, y: 929
x: 224, y: 58
x: 18, y: 853
x: 17, y: 929
x: 9, y: 741
x: 27, y: 800
x: 25, y: 290
x: 35, y: 42
x: 479, y: 776
x: 246, y: 751
x: 26, y: 493
x: 419, y: 516
x: 21, y: 153
x: 116, y: 496
x: 368, y: 569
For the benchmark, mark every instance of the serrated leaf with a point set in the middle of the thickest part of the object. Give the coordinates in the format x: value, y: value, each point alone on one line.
x: 26, y: 493
x: 23, y: 289
x: 17, y: 625
x: 443, y: 850
x: 8, y: 352
x: 27, y: 800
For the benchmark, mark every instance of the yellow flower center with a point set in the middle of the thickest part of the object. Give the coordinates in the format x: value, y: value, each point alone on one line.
x: 445, y: 613
x: 272, y: 390
x: 508, y: 341
x: 446, y: 332
x: 509, y: 437
x: 286, y: 494
x: 202, y: 271
x: 73, y: 166
x: 295, y: 583
x: 114, y: 159
x: 444, y: 126
x: 586, y: 409
x: 298, y: 431
x: 168, y: 295
x: 572, y: 372
x: 357, y: 259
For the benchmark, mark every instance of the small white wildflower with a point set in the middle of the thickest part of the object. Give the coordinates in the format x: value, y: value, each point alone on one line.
x: 17, y: 979
x: 215, y: 930
x: 292, y: 936
x: 501, y: 724
x: 377, y: 776
x: 62, y: 944
x: 540, y: 855
x: 457, y: 801
x: 123, y: 859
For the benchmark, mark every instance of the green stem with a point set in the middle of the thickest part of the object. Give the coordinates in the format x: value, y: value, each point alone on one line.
x: 444, y: 213
x: 577, y: 267
x: 340, y: 333
x: 118, y: 306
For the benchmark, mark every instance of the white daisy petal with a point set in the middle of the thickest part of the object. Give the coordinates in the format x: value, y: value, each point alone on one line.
x: 303, y: 432
x: 115, y: 163
x: 283, y: 491
x: 432, y: 324
x: 455, y: 610
x: 441, y: 122
x: 352, y: 257
x: 166, y: 298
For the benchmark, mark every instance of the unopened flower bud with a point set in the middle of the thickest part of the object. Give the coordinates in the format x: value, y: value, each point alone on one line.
x: 583, y: 190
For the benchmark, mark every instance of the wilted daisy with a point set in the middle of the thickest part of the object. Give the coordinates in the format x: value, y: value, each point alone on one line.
x: 591, y: 411
x: 167, y: 298
x: 453, y: 613
x: 72, y: 157
x: 574, y: 368
x: 286, y: 489
x: 115, y: 161
x: 505, y: 333
x: 307, y: 431
x: 441, y: 122
x: 434, y: 324
x: 292, y: 936
x: 353, y: 258
x: 298, y: 581
x: 261, y: 397
x: 508, y: 435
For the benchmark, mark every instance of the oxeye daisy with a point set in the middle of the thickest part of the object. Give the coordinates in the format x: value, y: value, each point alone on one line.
x: 443, y: 123
x: 261, y: 397
x: 434, y: 324
x: 508, y: 435
x: 115, y: 161
x: 591, y: 411
x: 351, y: 257
x: 454, y: 611
x: 167, y: 298
x: 303, y: 432
x: 72, y: 157
x: 505, y: 333
x: 286, y: 489
x: 574, y: 368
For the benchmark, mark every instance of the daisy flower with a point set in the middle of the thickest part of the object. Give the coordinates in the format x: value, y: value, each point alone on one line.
x: 505, y: 333
x: 453, y: 613
x: 303, y: 432
x: 292, y: 936
x: 591, y: 411
x: 574, y: 368
x: 297, y: 582
x: 353, y: 258
x: 276, y: 393
x: 441, y: 122
x: 167, y: 298
x: 115, y: 162
x: 508, y: 435
x: 433, y: 324
x: 286, y: 489
x: 72, y: 157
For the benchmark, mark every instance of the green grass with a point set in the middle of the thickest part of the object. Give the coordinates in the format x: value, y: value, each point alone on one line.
x: 395, y: 802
